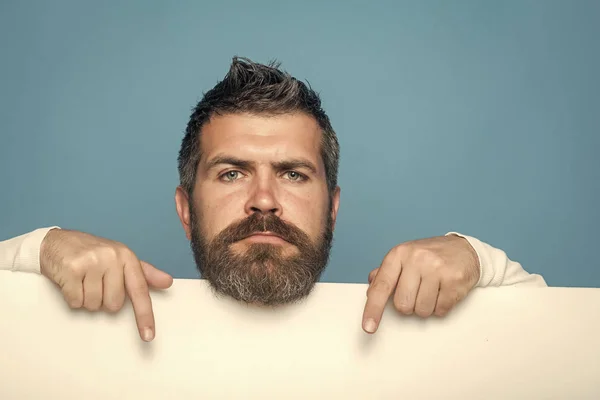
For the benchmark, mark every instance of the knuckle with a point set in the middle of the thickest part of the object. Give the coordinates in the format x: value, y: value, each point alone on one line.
x: 110, y: 252
x: 403, y: 308
x: 74, y: 301
x: 92, y: 302
x: 113, y: 305
x: 102, y: 257
x: 76, y: 267
x: 427, y: 257
x: 396, y: 250
x: 122, y: 251
x: 420, y: 254
x: 422, y: 312
x: 74, y: 304
x: 92, y: 306
x: 395, y: 253
x: 381, y: 285
x: 441, y: 311
x: 93, y: 256
x: 140, y: 290
x: 460, y: 275
x: 400, y: 251
x: 436, y: 262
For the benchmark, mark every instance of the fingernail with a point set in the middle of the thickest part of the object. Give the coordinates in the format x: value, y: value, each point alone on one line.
x: 148, y: 334
x: 370, y: 325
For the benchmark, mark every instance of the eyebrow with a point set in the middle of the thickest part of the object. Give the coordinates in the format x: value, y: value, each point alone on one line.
x: 236, y: 162
x: 294, y: 163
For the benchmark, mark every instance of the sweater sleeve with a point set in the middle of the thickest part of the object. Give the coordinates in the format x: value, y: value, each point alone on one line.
x: 496, y: 269
x: 22, y: 253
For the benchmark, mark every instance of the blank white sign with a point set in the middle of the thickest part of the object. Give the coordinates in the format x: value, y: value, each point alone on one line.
x: 500, y: 343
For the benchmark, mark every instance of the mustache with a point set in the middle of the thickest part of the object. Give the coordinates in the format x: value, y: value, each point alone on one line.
x: 257, y: 223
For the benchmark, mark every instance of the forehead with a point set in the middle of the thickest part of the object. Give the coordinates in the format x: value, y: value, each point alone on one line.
x: 262, y: 138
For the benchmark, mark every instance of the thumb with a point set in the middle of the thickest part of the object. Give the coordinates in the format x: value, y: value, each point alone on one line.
x: 372, y: 275
x: 156, y: 278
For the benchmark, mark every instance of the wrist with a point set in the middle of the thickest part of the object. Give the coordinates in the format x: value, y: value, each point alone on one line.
x: 474, y: 256
x: 46, y: 250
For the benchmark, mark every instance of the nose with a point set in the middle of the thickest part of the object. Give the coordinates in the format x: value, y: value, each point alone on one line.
x: 263, y: 199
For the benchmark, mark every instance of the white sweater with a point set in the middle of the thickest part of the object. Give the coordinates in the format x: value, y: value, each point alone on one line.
x: 22, y: 253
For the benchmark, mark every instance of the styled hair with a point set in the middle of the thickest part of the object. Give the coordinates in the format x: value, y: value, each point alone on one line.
x: 257, y: 89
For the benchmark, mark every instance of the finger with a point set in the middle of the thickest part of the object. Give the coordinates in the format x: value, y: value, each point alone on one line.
x: 73, y: 293
x: 406, y: 292
x: 427, y: 297
x: 114, y: 289
x: 373, y: 274
x: 156, y: 278
x: 137, y: 289
x: 92, y: 290
x: 447, y: 299
x: 379, y: 292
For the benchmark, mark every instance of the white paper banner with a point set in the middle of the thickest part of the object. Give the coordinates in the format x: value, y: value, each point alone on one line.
x: 499, y: 343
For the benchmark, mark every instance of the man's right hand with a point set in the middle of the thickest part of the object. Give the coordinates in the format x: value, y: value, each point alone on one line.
x: 95, y: 273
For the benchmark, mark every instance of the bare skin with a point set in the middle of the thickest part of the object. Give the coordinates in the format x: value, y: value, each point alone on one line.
x: 259, y: 164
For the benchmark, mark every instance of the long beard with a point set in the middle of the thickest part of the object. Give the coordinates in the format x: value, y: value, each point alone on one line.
x: 262, y: 274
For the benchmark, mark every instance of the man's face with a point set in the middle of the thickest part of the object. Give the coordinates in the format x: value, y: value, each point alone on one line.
x: 261, y: 218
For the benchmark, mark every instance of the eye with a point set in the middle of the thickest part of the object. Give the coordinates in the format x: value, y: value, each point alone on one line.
x: 230, y: 176
x: 295, y: 176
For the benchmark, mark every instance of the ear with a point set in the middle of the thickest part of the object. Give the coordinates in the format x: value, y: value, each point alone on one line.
x: 335, y: 199
x: 183, y: 210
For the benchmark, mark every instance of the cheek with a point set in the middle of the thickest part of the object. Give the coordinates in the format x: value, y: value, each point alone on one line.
x: 218, y: 212
x: 307, y: 213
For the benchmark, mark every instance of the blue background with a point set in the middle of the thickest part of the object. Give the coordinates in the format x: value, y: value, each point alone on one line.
x: 475, y: 116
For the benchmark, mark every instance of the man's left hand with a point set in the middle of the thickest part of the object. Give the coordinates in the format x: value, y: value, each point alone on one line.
x: 426, y: 277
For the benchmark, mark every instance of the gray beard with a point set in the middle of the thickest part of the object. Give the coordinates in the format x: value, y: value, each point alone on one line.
x: 262, y: 274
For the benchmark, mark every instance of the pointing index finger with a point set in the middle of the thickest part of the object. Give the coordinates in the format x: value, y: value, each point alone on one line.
x: 137, y: 289
x: 380, y: 290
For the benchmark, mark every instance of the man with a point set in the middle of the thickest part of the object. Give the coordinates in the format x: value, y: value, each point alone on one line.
x: 258, y: 200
